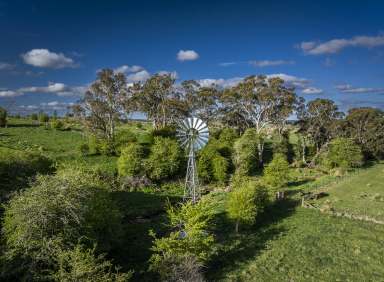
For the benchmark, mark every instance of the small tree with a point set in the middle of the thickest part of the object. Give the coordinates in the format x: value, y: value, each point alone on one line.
x: 191, y: 237
x: 277, y: 174
x: 34, y: 117
x: 3, y: 117
x: 130, y: 160
x: 246, y: 152
x: 245, y: 202
x: 164, y: 160
x: 344, y: 153
x: 43, y: 118
x: 82, y: 264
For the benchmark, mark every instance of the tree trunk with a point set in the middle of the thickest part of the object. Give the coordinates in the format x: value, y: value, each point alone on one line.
x: 260, y: 151
x: 237, y: 227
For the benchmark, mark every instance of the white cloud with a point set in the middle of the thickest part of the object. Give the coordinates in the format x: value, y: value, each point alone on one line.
x: 291, y: 80
x: 227, y: 64
x: 51, y: 88
x: 59, y: 89
x: 349, y: 89
x: 140, y: 76
x: 187, y: 55
x: 9, y: 93
x: 268, y: 63
x: 173, y: 74
x: 47, y: 59
x: 6, y: 66
x: 312, y: 90
x: 335, y: 45
x: 221, y: 82
x: 128, y: 69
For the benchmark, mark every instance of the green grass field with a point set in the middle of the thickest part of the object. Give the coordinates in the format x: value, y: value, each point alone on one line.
x: 287, y: 243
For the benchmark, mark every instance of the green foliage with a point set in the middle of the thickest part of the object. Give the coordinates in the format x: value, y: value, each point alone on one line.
x: 211, y: 165
x: 3, y: 117
x: 130, y: 162
x: 344, y: 153
x: 122, y: 138
x: 164, y: 159
x: 56, y: 212
x: 43, y: 117
x: 34, y: 117
x: 245, y: 202
x: 220, y: 168
x: 84, y: 149
x: 57, y: 124
x: 99, y: 146
x: 82, y: 264
x: 17, y: 166
x: 246, y: 153
x: 166, y: 131
x: 191, y: 237
x: 277, y: 173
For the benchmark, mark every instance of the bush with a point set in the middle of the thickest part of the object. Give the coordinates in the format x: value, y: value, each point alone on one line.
x: 277, y: 173
x: 130, y: 162
x: 55, y: 213
x: 164, y: 160
x: 344, y: 153
x: 93, y: 145
x: 167, y: 131
x: 84, y: 149
x: 82, y: 264
x: 220, y: 168
x: 191, y: 223
x: 245, y: 202
x: 57, y: 124
x: 16, y: 167
x: 3, y: 117
x: 176, y: 268
x: 123, y: 138
x: 211, y: 165
x: 245, y: 157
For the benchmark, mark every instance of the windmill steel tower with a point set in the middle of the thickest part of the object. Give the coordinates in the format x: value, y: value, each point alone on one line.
x: 193, y: 134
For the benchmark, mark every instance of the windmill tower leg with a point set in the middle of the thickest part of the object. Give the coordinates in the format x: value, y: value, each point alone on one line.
x: 191, y: 190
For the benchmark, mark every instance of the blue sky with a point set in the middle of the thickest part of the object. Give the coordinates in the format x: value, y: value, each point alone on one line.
x: 51, y: 50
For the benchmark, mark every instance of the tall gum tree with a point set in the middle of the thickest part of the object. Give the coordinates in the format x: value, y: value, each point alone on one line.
x: 259, y: 102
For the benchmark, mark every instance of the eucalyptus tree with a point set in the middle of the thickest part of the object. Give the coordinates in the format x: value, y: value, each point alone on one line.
x: 258, y: 102
x: 160, y: 100
x: 366, y: 127
x: 203, y: 101
x: 319, y: 120
x: 102, y: 104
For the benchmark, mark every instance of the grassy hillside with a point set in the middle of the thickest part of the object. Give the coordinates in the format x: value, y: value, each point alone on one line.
x: 287, y: 243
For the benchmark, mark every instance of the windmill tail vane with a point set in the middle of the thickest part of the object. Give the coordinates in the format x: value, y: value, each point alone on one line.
x: 193, y: 135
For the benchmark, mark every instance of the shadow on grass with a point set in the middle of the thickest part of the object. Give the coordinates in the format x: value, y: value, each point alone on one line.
x: 141, y: 213
x: 235, y: 249
x: 24, y: 125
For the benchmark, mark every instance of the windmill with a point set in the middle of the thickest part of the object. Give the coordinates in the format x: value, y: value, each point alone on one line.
x: 193, y: 135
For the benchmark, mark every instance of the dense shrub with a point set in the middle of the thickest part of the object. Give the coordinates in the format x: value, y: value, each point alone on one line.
x: 130, y: 162
x: 164, y: 160
x: 191, y: 237
x: 55, y: 213
x: 167, y: 131
x: 3, y: 117
x: 82, y: 264
x: 16, y: 167
x: 57, y: 124
x: 123, y: 138
x: 220, y: 169
x: 277, y: 173
x: 245, y: 157
x: 211, y: 165
x: 245, y: 202
x: 84, y: 149
x: 344, y: 153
